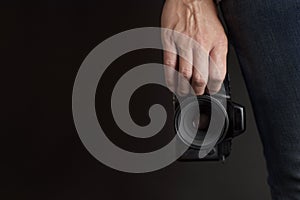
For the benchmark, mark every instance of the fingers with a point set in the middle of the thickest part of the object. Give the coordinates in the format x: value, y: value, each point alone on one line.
x: 170, y: 60
x: 186, y: 70
x: 217, y: 68
x: 200, y: 72
x: 203, y: 69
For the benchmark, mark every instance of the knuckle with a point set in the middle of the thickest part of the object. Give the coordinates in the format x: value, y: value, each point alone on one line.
x: 186, y: 72
x: 197, y: 77
x: 215, y: 89
x: 170, y: 62
x: 199, y: 82
x: 223, y: 41
x: 218, y: 78
x: 223, y: 38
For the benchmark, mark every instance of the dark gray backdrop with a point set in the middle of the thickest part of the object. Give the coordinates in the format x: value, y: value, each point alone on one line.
x: 44, y: 43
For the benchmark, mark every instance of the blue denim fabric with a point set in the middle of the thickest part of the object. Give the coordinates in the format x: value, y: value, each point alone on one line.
x: 266, y: 36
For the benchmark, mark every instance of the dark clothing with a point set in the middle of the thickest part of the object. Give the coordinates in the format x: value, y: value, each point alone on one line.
x: 266, y: 36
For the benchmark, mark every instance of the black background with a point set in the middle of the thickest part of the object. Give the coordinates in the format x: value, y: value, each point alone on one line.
x: 43, y: 44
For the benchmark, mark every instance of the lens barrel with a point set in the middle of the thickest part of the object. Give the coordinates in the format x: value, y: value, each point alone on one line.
x: 211, y: 123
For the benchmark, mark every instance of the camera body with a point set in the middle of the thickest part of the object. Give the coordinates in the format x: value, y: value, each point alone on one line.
x: 216, y: 144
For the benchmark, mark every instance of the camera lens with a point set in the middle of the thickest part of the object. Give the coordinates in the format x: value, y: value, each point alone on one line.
x: 204, y: 128
x: 201, y: 121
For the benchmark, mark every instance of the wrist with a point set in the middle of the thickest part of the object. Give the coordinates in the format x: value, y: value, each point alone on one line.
x: 194, y: 4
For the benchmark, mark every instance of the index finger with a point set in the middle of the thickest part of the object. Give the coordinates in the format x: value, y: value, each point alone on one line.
x: 170, y: 62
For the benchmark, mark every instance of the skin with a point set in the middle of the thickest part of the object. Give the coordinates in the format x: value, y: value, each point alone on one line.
x: 205, y: 67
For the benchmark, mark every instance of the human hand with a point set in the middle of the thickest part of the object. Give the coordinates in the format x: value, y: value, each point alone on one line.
x: 204, y: 67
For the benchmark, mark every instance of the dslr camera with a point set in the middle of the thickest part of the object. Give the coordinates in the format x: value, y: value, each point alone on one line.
x: 207, y: 124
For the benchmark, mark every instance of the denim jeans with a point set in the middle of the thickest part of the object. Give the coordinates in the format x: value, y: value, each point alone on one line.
x: 266, y: 37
